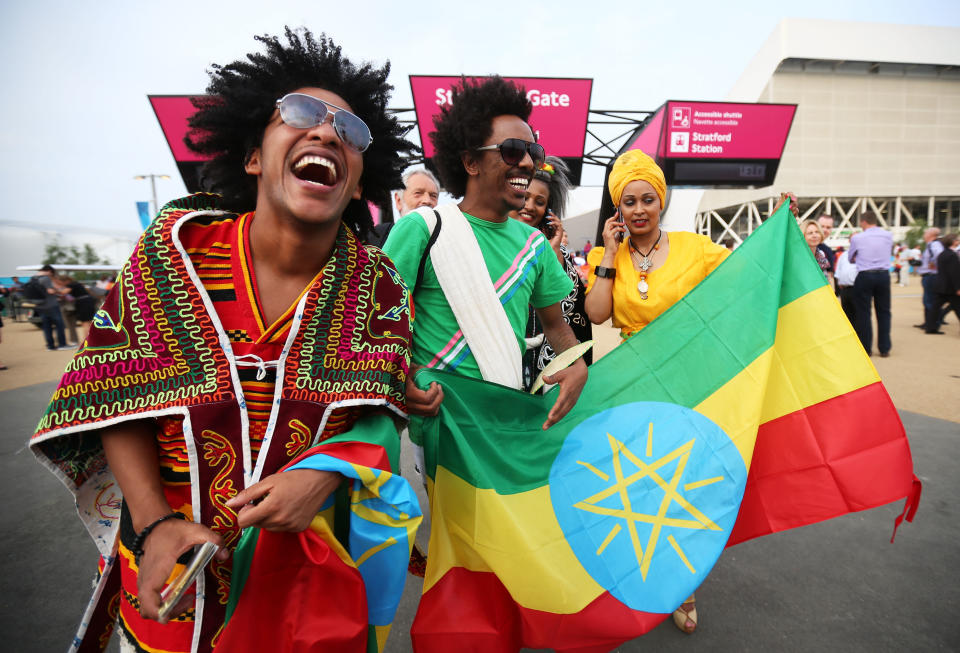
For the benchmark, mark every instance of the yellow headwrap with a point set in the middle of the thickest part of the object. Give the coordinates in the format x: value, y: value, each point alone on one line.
x: 631, y: 166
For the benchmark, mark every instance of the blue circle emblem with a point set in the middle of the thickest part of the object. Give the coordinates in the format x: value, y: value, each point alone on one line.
x: 646, y: 494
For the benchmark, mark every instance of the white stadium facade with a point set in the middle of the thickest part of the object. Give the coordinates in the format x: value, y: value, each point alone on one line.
x: 877, y: 127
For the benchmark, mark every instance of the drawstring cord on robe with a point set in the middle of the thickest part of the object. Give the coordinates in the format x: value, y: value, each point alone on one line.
x: 252, y: 360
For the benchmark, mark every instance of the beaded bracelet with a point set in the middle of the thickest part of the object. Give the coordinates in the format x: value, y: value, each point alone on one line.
x: 137, y: 547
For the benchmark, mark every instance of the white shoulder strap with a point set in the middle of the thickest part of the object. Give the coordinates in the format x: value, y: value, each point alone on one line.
x: 462, y: 273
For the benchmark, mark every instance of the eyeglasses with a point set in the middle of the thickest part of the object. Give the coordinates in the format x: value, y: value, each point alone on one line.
x: 305, y: 112
x: 513, y: 150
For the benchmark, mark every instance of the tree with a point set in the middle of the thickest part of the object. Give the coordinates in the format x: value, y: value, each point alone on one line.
x: 914, y: 237
x: 56, y: 254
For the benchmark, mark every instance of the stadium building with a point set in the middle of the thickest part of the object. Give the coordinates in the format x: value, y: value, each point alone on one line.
x: 877, y: 127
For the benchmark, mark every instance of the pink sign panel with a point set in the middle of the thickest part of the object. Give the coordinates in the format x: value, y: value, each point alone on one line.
x: 173, y: 112
x: 560, y: 108
x: 648, y: 140
x: 725, y: 130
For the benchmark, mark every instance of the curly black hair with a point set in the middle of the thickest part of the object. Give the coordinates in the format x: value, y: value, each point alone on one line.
x: 467, y: 122
x: 241, y: 97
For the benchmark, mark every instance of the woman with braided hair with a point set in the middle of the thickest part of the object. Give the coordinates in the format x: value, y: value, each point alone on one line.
x: 543, y: 208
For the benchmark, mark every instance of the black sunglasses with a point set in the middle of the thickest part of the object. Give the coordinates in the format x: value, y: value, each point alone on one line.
x: 512, y: 151
x: 305, y: 112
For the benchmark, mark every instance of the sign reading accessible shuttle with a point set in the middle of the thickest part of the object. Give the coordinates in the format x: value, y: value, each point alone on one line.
x: 716, y: 144
x: 560, y: 108
x: 722, y: 130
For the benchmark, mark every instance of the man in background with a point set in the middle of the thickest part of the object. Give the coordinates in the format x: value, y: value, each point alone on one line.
x: 870, y: 250
x: 946, y: 285
x: 420, y: 188
x: 928, y: 274
x: 49, y: 310
x: 826, y: 223
x: 846, y: 276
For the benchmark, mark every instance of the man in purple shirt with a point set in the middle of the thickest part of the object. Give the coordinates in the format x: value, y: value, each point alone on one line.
x: 928, y: 276
x: 870, y: 251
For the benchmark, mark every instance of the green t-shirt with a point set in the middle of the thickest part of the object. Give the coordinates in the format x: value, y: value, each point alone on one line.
x: 521, y: 265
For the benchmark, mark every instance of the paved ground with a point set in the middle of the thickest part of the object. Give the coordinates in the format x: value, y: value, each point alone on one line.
x: 836, y: 586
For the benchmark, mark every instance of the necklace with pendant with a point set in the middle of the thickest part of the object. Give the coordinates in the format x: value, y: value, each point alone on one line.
x: 644, y: 264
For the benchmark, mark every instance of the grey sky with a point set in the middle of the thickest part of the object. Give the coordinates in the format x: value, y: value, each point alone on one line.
x: 75, y: 123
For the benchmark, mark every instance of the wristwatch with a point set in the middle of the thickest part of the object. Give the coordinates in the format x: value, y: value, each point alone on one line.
x: 605, y: 273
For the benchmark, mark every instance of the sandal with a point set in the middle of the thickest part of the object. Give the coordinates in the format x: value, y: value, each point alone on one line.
x: 685, y: 617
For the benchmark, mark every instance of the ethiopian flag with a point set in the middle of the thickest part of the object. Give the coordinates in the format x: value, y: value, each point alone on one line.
x: 747, y: 408
x: 336, y: 586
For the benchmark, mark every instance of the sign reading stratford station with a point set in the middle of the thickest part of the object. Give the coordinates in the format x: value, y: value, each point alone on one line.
x: 717, y: 143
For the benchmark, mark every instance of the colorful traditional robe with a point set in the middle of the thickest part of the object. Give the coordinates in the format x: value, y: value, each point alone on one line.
x: 157, y: 349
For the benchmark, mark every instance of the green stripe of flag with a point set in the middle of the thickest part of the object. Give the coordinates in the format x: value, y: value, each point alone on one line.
x: 682, y: 357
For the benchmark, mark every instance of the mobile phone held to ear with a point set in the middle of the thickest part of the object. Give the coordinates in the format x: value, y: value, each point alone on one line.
x: 620, y: 220
x: 172, y: 594
x: 548, y: 229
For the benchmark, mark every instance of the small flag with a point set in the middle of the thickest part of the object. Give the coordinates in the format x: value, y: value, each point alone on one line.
x: 335, y: 586
x: 143, y: 210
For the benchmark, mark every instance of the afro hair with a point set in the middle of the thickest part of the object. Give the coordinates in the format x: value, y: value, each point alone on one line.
x: 466, y: 123
x: 241, y: 98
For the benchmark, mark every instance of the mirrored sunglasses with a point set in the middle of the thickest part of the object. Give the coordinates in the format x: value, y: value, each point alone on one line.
x: 512, y: 151
x: 305, y: 112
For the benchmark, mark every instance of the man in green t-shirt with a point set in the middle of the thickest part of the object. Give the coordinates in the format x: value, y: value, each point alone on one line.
x: 487, y: 154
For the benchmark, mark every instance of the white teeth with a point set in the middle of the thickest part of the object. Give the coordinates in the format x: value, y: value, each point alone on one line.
x: 520, y: 183
x: 317, y: 160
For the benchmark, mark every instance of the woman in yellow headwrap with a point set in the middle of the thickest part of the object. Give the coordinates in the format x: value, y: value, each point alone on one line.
x: 641, y: 270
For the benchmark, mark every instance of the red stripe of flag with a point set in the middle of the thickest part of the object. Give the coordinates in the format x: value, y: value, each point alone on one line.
x: 486, y: 619
x: 813, y: 469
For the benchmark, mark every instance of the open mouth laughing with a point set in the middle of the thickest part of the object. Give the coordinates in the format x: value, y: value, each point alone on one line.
x: 518, y: 183
x: 316, y: 169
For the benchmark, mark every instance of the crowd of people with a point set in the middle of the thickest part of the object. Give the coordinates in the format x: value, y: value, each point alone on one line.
x: 62, y: 305
x: 861, y: 275
x: 254, y: 330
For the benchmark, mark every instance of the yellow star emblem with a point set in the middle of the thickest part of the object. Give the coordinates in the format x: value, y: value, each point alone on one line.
x: 671, y: 494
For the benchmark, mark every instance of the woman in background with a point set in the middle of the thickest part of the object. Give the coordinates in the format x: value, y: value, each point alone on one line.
x: 813, y: 234
x: 543, y: 209
x: 84, y: 304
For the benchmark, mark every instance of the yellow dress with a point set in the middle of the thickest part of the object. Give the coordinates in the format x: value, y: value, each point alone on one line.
x: 690, y: 259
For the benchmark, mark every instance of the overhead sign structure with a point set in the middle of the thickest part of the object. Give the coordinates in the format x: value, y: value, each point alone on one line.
x: 717, y: 143
x: 559, y: 117
x: 174, y: 112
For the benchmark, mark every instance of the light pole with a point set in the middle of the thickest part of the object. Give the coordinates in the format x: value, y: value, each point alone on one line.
x: 153, y: 187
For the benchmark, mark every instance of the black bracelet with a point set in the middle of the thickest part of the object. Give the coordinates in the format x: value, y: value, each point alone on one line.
x: 137, y: 547
x: 605, y: 273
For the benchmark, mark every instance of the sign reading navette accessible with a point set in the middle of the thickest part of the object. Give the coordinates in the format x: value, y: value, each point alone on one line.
x: 560, y: 108
x: 722, y: 130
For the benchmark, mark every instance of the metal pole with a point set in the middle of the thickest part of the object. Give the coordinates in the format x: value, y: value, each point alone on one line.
x: 153, y: 187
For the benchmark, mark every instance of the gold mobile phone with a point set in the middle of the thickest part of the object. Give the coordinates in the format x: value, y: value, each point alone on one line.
x: 172, y: 594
